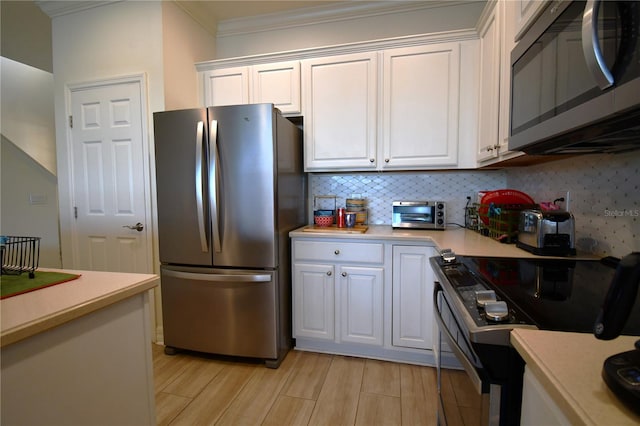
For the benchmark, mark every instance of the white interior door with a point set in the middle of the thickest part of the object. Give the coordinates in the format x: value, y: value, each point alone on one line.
x: 109, y: 188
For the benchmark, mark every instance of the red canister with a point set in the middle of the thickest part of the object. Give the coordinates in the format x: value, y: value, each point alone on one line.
x: 340, y: 219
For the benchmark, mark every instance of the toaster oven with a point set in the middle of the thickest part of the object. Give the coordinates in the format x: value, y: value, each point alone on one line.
x: 419, y: 214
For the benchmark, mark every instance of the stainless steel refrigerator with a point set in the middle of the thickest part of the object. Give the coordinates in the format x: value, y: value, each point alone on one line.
x: 230, y: 187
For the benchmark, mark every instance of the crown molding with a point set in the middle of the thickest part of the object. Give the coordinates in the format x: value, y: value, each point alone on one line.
x: 55, y: 8
x: 357, y: 47
x: 324, y: 14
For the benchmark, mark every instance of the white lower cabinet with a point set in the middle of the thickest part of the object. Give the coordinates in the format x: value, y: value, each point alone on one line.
x: 413, y: 297
x: 363, y: 298
x: 361, y: 307
x: 341, y: 300
x: 313, y: 301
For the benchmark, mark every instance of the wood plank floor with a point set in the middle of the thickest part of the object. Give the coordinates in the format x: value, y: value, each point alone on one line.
x: 308, y: 389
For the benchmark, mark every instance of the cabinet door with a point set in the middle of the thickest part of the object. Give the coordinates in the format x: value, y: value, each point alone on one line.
x: 228, y: 86
x: 361, y: 301
x: 489, y: 108
x: 525, y: 13
x: 507, y: 43
x: 421, y: 106
x: 339, y: 97
x: 412, y: 297
x: 313, y: 301
x: 279, y: 84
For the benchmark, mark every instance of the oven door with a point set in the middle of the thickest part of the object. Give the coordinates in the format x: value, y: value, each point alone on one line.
x: 450, y: 332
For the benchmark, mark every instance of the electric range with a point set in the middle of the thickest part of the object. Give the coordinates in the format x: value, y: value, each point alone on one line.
x: 479, y: 300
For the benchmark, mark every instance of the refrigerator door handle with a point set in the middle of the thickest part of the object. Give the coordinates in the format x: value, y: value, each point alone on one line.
x: 213, y: 184
x: 204, y: 244
x: 219, y: 277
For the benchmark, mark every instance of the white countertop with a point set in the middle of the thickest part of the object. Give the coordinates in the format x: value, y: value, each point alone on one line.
x: 30, y: 313
x: 460, y: 240
x: 569, y: 367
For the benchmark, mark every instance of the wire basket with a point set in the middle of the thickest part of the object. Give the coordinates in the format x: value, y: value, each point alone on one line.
x: 19, y: 254
x: 501, y: 220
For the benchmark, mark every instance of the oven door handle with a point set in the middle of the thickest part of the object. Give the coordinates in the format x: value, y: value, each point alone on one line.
x: 468, y: 366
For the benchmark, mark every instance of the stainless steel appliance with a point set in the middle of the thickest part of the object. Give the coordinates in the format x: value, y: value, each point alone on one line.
x: 230, y: 187
x: 575, y: 79
x: 479, y: 300
x: 547, y: 233
x: 419, y: 214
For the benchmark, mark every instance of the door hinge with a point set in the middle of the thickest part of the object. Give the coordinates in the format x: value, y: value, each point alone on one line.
x: 75, y: 213
x: 71, y: 121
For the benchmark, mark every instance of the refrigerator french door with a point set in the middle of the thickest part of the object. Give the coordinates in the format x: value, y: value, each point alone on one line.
x: 230, y: 187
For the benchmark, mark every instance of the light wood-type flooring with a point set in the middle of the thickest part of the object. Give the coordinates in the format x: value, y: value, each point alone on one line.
x: 307, y: 389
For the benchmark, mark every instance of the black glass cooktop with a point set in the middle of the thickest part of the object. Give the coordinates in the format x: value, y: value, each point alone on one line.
x: 560, y: 295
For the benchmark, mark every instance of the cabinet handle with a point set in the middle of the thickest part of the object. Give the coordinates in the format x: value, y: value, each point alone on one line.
x: 337, y: 252
x: 372, y: 160
x: 329, y: 273
x: 344, y: 274
x: 489, y: 148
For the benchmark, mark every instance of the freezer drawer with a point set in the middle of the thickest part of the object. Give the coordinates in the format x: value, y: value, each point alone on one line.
x: 220, y: 311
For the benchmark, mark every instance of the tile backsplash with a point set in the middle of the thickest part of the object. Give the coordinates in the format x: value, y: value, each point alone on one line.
x: 604, y: 194
x: 381, y: 189
x: 604, y: 198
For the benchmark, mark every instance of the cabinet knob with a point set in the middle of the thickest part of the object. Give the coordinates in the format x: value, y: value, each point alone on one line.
x: 372, y: 160
x: 337, y: 252
x: 329, y: 273
x: 344, y: 274
x: 386, y: 160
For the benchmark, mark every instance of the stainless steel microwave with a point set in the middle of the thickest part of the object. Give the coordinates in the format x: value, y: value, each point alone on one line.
x: 419, y: 214
x: 575, y: 79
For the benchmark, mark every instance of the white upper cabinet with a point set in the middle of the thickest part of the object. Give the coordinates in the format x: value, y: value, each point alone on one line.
x: 420, y: 104
x: 524, y: 14
x: 494, y: 109
x: 407, y: 103
x: 276, y: 83
x: 488, y: 110
x: 340, y: 112
x: 228, y: 86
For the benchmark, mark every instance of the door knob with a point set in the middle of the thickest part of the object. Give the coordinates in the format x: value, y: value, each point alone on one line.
x: 138, y: 227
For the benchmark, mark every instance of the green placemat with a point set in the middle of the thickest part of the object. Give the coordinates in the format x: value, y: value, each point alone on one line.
x: 12, y: 285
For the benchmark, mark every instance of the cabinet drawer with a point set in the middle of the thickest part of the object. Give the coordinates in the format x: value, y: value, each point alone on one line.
x: 338, y: 251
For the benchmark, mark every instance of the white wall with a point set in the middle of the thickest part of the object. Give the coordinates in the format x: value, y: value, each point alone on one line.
x: 29, y: 202
x: 119, y: 39
x: 27, y: 111
x: 26, y: 34
x: 279, y: 33
x: 184, y: 44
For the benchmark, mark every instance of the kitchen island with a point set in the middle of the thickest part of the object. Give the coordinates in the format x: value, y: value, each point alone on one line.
x: 79, y: 352
x: 563, y: 378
